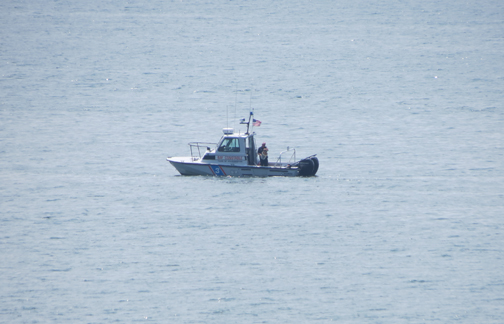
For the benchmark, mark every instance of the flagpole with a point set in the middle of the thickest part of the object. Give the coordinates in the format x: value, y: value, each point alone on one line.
x: 248, y: 124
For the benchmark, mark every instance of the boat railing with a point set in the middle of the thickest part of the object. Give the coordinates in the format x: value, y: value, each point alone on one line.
x: 197, y: 147
x: 292, y: 157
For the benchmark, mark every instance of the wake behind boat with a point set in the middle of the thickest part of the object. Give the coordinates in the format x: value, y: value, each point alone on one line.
x: 236, y: 155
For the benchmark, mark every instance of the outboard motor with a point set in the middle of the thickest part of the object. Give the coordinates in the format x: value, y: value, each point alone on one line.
x: 308, y: 166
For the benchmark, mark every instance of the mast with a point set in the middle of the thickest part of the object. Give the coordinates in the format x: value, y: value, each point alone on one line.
x: 248, y: 124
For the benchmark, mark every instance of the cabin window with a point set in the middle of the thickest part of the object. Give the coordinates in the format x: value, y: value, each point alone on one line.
x: 230, y: 145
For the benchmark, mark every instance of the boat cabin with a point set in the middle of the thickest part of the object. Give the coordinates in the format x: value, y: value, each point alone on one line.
x: 233, y: 148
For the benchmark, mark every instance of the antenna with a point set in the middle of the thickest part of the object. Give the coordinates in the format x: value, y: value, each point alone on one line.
x: 236, y: 100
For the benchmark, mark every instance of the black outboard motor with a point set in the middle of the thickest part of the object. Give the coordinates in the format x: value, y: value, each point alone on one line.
x: 308, y: 166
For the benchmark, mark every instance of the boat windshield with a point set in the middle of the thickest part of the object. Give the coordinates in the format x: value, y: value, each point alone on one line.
x: 230, y: 145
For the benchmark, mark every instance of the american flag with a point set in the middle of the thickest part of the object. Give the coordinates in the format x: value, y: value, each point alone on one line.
x: 256, y: 122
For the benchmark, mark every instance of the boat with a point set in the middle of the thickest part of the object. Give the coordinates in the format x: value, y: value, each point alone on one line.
x: 235, y: 154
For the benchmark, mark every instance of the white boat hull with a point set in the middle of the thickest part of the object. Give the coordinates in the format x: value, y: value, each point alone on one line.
x: 198, y: 168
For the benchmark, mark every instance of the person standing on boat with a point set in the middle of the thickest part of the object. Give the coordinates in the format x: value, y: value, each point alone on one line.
x: 263, y: 154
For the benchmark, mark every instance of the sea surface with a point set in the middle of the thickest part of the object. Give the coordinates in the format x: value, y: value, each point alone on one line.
x: 401, y: 100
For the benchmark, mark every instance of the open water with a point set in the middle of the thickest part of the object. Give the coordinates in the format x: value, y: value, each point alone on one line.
x: 402, y: 101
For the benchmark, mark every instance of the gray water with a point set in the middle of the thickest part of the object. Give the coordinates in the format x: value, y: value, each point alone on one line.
x: 402, y: 101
